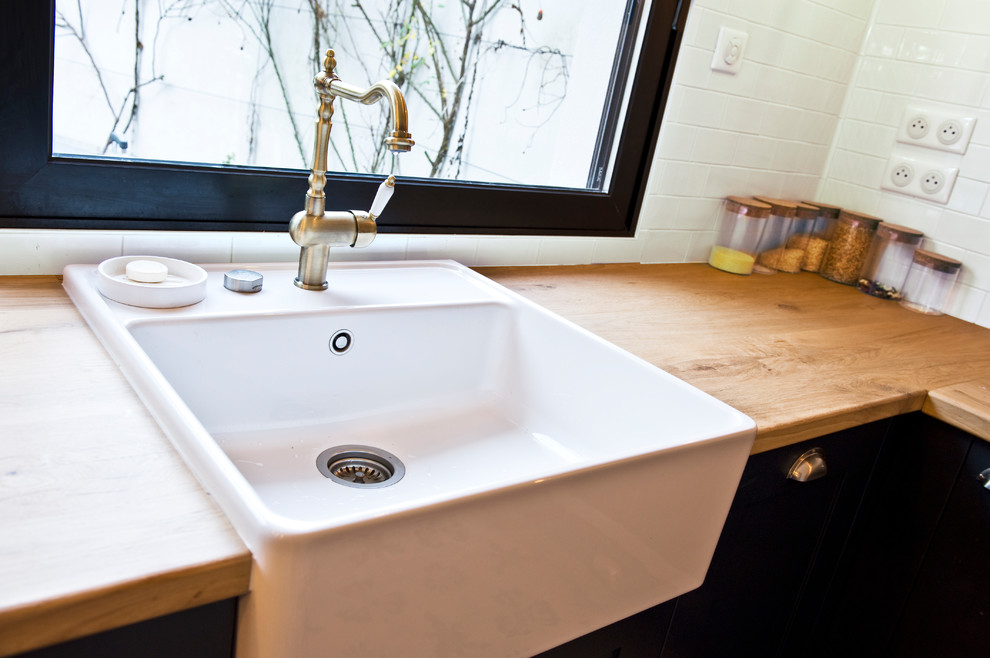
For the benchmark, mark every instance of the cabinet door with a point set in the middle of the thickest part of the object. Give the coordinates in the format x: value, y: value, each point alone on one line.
x: 777, y: 552
x: 206, y: 631
x: 918, y: 465
x: 948, y: 611
x: 638, y: 636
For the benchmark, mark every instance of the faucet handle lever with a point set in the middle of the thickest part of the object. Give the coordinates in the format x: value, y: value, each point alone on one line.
x: 385, y: 191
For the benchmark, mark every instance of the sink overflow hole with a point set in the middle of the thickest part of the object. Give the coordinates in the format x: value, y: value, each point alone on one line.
x: 341, y: 342
x: 360, y: 466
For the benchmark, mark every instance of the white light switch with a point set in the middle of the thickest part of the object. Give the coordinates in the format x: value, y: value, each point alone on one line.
x: 729, y: 49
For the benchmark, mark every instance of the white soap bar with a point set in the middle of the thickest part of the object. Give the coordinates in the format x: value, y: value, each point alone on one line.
x: 146, y: 271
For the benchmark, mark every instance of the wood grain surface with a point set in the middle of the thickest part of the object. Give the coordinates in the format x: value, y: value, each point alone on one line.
x: 965, y: 405
x: 101, y: 524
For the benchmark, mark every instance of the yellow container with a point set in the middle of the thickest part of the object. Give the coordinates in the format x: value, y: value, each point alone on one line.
x: 731, y: 260
x: 740, y: 229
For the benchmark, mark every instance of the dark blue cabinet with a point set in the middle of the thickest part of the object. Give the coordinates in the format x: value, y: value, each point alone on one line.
x: 638, y: 636
x: 206, y: 631
x: 917, y: 581
x: 779, y: 550
x: 948, y: 611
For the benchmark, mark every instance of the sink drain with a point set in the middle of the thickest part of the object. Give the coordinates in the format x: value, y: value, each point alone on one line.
x: 360, y: 466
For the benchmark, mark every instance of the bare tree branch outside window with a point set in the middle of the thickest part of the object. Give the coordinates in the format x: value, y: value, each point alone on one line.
x: 441, y: 53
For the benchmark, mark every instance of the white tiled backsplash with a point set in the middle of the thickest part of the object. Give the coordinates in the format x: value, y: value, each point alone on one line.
x: 936, y: 54
x: 812, y: 114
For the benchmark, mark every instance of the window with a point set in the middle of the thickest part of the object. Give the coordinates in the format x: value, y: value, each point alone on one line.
x: 93, y: 190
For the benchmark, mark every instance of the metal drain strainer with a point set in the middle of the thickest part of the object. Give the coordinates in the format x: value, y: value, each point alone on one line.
x: 360, y: 466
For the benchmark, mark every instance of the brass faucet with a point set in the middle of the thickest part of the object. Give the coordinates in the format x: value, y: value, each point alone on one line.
x: 315, y: 229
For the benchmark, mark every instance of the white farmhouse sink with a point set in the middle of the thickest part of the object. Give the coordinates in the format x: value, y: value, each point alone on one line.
x: 552, y: 483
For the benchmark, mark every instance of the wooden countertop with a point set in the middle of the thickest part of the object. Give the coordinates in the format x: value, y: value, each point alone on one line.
x: 965, y: 405
x: 103, y: 525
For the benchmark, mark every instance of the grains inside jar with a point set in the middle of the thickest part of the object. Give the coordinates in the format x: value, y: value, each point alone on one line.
x: 848, y: 248
x: 782, y: 259
x: 814, y: 249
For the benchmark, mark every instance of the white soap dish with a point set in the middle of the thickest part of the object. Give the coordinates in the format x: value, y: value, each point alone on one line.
x: 184, y: 284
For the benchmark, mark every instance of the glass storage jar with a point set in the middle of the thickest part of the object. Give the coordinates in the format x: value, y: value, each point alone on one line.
x: 820, y: 235
x: 888, y: 260
x: 739, y: 234
x: 803, y: 233
x: 774, y: 256
x: 929, y: 282
x: 846, y: 253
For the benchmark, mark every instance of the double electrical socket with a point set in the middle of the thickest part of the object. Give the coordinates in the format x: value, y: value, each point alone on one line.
x: 935, y: 129
x: 924, y: 179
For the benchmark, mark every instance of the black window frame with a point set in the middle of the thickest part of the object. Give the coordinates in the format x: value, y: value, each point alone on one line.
x: 40, y: 191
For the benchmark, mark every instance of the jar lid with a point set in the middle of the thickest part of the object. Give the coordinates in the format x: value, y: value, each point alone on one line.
x: 806, y: 211
x: 937, y: 262
x: 899, y: 233
x: 779, y: 206
x: 862, y: 219
x: 830, y: 211
x: 751, y: 207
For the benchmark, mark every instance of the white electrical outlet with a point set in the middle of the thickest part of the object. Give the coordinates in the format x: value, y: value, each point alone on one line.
x: 902, y: 174
x: 935, y: 129
x: 950, y: 132
x: 924, y: 179
x: 932, y: 181
x: 917, y: 126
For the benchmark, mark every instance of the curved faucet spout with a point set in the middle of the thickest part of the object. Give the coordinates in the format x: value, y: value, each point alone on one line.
x: 329, y: 87
x: 400, y: 139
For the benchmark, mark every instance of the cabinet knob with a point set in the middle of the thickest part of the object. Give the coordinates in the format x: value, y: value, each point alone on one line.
x: 984, y: 478
x: 809, y: 466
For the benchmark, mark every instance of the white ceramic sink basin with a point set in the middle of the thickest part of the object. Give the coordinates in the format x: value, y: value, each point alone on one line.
x: 552, y: 482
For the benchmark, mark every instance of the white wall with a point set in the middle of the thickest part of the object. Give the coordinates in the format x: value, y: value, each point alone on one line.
x: 934, y: 53
x: 765, y: 130
x: 784, y: 126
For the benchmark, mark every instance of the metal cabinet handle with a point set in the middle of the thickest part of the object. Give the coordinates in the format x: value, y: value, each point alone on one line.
x: 809, y: 466
x: 984, y: 478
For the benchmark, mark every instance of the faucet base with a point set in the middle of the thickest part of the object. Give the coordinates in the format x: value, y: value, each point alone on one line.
x: 307, y: 286
x: 312, y: 272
